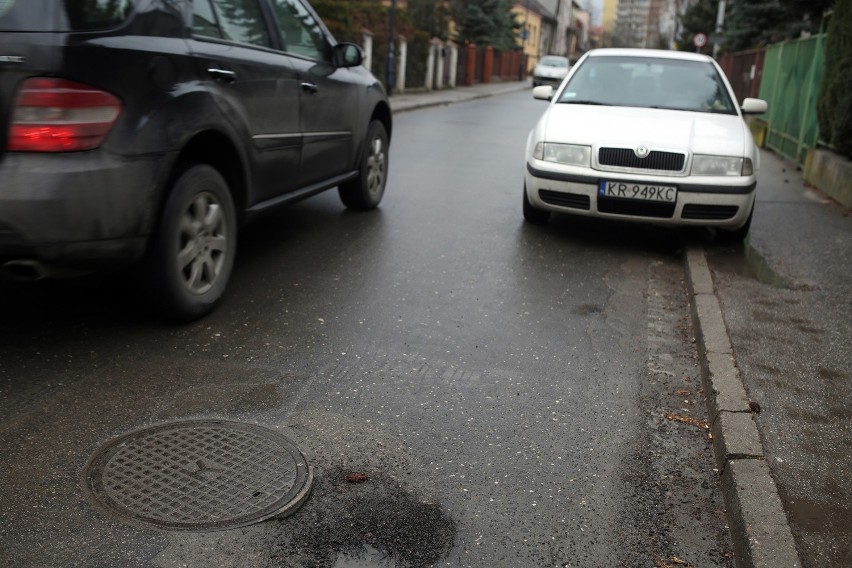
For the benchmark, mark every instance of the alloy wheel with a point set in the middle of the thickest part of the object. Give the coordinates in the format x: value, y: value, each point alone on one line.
x: 202, y: 243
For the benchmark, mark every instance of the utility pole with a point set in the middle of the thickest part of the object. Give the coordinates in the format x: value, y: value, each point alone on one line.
x: 391, y: 49
x: 720, y: 22
x: 524, y: 33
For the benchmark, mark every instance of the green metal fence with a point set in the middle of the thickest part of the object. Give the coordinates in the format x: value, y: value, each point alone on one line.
x: 792, y: 72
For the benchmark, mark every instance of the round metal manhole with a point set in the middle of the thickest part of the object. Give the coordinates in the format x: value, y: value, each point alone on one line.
x: 198, y: 476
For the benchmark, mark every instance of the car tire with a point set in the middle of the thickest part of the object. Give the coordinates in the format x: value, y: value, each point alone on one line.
x: 366, y: 191
x: 533, y: 215
x: 736, y: 235
x: 194, y: 247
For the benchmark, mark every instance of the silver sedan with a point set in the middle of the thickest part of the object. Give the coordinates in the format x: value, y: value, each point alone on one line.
x: 644, y: 135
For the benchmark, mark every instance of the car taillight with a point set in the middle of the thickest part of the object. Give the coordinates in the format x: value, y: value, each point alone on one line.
x: 55, y: 115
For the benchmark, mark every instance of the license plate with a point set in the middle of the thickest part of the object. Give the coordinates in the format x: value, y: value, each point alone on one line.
x: 640, y: 191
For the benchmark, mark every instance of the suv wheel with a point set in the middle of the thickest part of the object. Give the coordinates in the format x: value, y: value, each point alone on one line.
x: 194, y: 250
x: 366, y: 191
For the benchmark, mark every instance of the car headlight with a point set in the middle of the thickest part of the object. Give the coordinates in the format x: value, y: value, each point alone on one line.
x: 721, y: 166
x: 568, y: 154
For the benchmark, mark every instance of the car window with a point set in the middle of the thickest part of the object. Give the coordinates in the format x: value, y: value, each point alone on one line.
x: 234, y: 20
x: 649, y: 82
x: 302, y: 33
x: 67, y: 15
x: 204, y: 19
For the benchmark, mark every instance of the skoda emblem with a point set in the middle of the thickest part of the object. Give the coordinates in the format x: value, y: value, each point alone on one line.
x: 641, y: 152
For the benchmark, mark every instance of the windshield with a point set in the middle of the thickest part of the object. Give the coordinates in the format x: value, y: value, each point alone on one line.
x: 70, y: 15
x: 554, y: 62
x: 649, y: 82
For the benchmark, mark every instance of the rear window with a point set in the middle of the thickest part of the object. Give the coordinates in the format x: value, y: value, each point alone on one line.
x: 62, y: 15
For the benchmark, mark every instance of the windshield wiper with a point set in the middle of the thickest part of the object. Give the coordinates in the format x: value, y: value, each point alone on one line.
x: 582, y: 102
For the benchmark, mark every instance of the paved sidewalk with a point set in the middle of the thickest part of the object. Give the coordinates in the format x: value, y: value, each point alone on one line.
x: 422, y: 99
x: 776, y: 325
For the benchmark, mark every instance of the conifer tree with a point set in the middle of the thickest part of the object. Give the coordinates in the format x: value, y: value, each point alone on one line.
x: 700, y: 17
x: 486, y: 22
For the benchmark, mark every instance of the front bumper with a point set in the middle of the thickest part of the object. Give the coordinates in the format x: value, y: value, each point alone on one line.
x: 84, y: 209
x: 552, y: 81
x: 714, y: 204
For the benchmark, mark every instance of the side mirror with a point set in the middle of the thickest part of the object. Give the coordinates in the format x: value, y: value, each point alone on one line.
x: 348, y: 55
x: 543, y: 93
x: 754, y: 106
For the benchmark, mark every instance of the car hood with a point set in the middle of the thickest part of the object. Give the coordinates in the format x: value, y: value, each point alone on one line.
x: 694, y: 132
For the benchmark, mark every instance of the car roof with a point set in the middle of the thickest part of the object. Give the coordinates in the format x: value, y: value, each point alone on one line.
x: 658, y: 53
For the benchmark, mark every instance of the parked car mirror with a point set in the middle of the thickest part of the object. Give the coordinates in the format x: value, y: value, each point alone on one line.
x: 544, y: 93
x: 754, y: 106
x: 348, y: 55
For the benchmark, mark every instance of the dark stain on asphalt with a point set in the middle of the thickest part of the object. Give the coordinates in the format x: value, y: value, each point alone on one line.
x: 588, y: 309
x: 832, y: 374
x: 377, y: 518
x: 744, y: 260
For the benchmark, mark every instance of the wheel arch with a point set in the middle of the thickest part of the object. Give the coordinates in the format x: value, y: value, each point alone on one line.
x: 217, y: 150
x: 382, y: 113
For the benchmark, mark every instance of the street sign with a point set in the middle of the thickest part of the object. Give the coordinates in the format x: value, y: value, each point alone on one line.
x: 700, y: 40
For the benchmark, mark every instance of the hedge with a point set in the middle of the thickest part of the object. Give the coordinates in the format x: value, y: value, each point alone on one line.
x: 834, y: 106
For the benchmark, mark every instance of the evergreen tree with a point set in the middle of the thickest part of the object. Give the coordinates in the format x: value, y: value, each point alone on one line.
x: 755, y: 23
x: 808, y: 13
x: 486, y: 22
x: 750, y: 24
x: 700, y: 17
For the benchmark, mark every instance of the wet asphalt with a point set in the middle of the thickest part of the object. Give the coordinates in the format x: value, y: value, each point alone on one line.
x: 505, y: 390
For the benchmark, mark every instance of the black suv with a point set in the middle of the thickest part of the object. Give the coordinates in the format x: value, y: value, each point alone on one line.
x: 148, y: 131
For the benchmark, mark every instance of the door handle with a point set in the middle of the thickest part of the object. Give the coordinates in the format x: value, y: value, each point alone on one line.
x: 310, y: 88
x: 222, y: 75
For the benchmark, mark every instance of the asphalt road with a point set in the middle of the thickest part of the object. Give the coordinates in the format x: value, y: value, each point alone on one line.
x: 507, y: 390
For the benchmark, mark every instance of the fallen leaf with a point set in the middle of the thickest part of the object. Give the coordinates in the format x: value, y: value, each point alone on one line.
x: 688, y: 420
x: 682, y: 392
x: 356, y: 478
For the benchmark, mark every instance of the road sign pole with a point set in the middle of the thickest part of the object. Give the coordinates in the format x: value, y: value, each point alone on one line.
x: 720, y: 22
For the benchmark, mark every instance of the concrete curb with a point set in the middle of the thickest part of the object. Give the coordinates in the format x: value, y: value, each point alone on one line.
x: 759, y: 528
x: 406, y: 103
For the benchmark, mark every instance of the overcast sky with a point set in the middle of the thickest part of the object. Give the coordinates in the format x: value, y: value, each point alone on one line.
x: 595, y: 7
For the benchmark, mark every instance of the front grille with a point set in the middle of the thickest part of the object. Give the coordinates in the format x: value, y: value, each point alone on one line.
x: 636, y: 208
x: 656, y: 160
x: 709, y: 212
x: 572, y: 200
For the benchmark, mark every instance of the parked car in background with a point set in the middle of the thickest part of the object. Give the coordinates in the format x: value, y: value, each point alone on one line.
x: 550, y: 70
x: 644, y: 135
x: 149, y: 131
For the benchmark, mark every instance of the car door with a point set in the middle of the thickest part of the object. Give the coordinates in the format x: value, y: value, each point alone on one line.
x: 329, y: 99
x: 256, y: 88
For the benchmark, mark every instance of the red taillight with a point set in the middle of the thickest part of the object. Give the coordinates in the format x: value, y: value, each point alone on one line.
x: 55, y: 115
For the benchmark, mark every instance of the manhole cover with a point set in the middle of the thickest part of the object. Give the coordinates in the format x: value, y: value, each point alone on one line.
x: 198, y: 476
